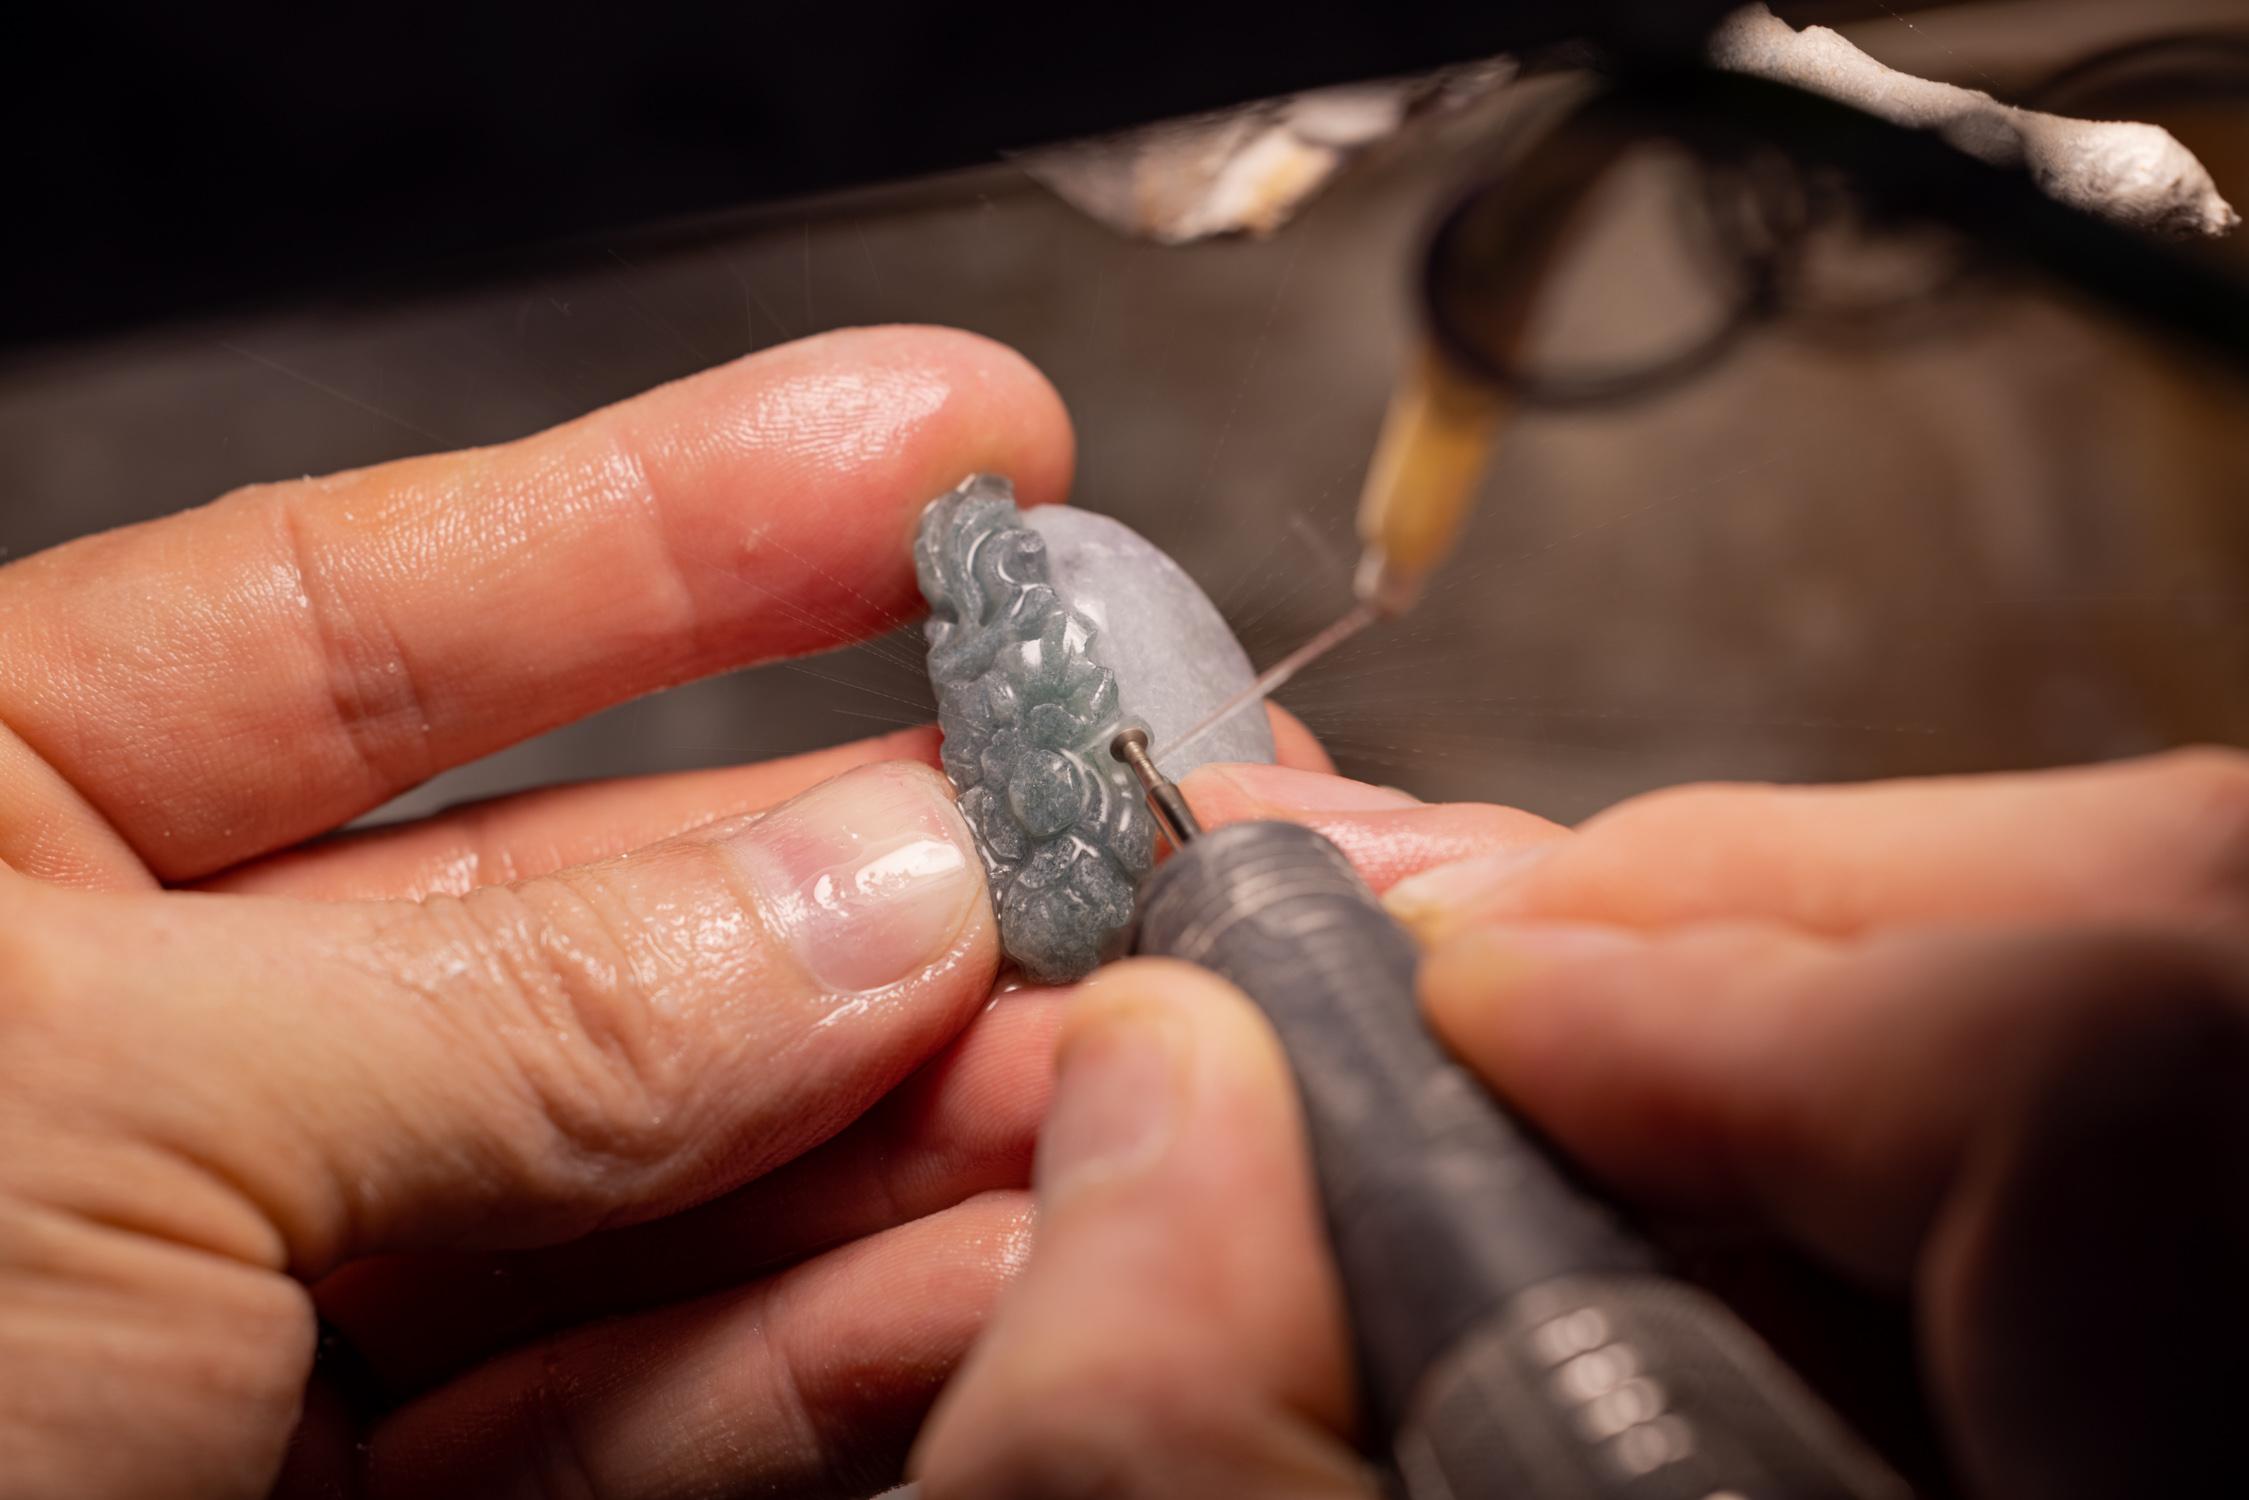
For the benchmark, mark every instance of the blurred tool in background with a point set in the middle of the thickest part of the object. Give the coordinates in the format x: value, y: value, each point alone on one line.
x: 1964, y: 526
x: 1762, y: 147
x: 1484, y: 1280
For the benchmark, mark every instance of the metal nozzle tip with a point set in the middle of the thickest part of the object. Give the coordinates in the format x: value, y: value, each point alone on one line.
x: 1128, y: 741
x: 1382, y: 587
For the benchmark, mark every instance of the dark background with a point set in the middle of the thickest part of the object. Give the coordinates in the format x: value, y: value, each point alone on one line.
x: 2020, y: 539
x: 194, y: 157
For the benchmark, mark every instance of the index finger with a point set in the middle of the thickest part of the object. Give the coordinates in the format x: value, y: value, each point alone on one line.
x: 229, y: 681
x: 2159, y: 838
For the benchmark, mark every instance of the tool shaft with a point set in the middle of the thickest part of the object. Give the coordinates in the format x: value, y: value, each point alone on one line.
x: 1172, y: 808
x: 1514, y: 1335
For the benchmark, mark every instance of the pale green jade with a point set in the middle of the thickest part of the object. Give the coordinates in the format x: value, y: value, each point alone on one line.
x: 1049, y: 630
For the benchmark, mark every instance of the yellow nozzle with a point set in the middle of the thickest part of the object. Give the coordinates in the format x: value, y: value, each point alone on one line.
x: 1436, y: 442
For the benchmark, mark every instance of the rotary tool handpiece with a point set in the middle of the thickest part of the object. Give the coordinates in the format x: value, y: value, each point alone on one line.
x: 1515, y: 1338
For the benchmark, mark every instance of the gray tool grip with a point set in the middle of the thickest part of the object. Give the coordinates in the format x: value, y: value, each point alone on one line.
x: 1474, y: 1265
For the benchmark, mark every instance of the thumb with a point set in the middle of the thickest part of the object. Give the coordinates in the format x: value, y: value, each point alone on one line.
x: 1179, y: 1330
x: 519, y: 1065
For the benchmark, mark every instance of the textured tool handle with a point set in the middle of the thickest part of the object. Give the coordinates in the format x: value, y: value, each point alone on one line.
x: 1517, y: 1338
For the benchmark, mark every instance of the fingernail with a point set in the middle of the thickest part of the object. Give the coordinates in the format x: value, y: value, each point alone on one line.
x: 1116, y: 1091
x: 868, y: 878
x: 1311, y: 791
x: 1435, y: 902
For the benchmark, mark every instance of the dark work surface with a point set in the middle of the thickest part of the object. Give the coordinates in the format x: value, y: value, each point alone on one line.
x: 2015, y: 539
x: 165, y: 160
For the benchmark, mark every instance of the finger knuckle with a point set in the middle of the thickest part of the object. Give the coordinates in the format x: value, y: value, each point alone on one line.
x: 585, y: 1031
x: 380, y: 711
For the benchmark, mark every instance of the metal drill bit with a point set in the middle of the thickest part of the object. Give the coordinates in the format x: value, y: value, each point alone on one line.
x: 1131, y: 747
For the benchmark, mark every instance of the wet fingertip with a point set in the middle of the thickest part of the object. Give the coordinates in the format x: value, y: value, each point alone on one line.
x: 1036, y: 444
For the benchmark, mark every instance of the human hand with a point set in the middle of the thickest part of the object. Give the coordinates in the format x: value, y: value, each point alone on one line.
x: 1983, y: 1042
x: 619, y: 1173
